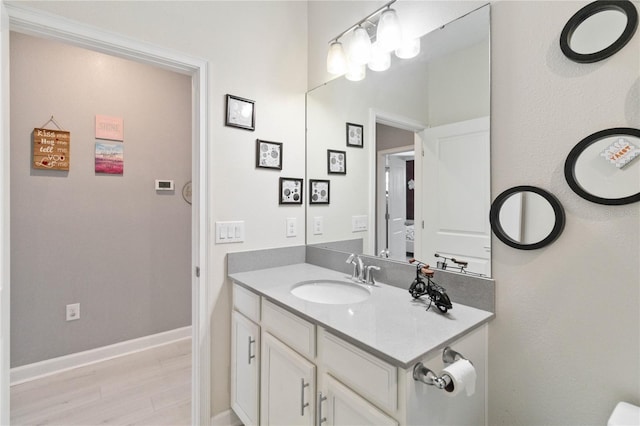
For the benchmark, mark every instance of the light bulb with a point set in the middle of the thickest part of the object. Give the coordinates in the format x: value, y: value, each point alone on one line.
x: 356, y: 72
x: 336, y: 59
x: 360, y: 47
x: 408, y: 49
x: 380, y: 60
x: 389, y: 34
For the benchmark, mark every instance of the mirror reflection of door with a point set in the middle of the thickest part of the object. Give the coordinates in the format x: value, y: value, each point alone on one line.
x: 456, y: 188
x: 395, y: 192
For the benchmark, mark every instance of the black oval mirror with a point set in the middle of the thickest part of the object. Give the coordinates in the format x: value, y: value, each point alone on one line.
x: 526, y: 217
x: 599, y: 30
x: 603, y: 167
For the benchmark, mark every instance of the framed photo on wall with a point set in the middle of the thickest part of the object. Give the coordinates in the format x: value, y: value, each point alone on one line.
x: 290, y: 191
x: 319, y: 191
x: 336, y: 162
x: 268, y: 154
x: 241, y: 113
x: 355, y: 135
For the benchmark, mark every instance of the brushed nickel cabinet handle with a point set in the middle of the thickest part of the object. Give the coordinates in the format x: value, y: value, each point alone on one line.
x: 303, y: 404
x: 251, y: 342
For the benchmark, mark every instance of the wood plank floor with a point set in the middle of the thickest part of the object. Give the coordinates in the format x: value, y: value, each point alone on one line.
x: 151, y: 387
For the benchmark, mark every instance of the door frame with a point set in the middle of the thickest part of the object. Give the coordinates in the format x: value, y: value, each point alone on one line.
x: 401, y: 122
x: 380, y: 193
x: 45, y: 25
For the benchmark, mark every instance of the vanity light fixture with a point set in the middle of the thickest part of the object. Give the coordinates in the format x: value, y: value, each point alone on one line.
x: 370, y: 42
x: 336, y: 59
x: 389, y: 33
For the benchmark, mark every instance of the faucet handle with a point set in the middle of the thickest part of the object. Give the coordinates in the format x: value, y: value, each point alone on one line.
x: 350, y: 258
x: 368, y: 274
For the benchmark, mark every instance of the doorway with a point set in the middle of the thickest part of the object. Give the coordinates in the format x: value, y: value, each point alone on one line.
x: 43, y: 25
x: 396, y: 213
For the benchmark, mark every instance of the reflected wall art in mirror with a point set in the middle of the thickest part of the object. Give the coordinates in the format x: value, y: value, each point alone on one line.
x: 599, y: 30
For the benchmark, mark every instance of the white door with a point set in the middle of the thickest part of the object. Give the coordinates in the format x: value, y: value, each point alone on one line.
x: 4, y: 217
x: 346, y: 408
x: 245, y: 370
x: 456, y: 194
x: 288, y: 386
x: 397, y: 208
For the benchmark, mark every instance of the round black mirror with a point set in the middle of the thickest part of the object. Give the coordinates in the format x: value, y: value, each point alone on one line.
x: 599, y: 30
x: 526, y: 217
x: 603, y: 167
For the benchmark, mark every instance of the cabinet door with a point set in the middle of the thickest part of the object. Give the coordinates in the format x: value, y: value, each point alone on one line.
x: 245, y: 368
x: 288, y: 385
x: 344, y: 407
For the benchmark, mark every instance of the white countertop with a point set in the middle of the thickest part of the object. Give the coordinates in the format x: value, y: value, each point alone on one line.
x: 390, y: 323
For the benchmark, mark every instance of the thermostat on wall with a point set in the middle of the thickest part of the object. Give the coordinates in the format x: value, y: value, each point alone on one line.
x: 164, y: 185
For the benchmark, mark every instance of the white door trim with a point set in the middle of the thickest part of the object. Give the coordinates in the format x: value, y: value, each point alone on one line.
x: 401, y: 122
x: 34, y: 22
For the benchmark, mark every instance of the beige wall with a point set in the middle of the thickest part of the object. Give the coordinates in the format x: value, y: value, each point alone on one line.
x: 565, y: 346
x: 108, y: 242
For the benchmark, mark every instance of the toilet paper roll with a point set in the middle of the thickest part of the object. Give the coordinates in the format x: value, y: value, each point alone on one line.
x: 463, y: 377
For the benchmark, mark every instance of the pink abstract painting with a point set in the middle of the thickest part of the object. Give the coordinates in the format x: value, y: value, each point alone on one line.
x: 110, y: 158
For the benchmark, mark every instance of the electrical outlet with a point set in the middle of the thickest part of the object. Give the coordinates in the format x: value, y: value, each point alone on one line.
x: 73, y: 312
x: 317, y: 225
x: 292, y: 227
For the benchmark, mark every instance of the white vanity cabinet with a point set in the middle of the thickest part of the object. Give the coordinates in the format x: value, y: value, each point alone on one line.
x: 245, y: 368
x: 245, y: 356
x: 310, y: 376
x: 344, y: 407
x: 288, y: 386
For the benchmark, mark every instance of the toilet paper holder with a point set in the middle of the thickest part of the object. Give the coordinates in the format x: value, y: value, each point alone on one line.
x: 427, y: 376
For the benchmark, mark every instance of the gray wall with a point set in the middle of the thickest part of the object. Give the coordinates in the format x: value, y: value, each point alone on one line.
x: 110, y: 243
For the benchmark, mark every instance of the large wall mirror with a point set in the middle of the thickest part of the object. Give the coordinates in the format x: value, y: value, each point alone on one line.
x: 400, y: 202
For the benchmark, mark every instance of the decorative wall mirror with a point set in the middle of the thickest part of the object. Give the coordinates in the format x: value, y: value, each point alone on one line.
x: 526, y: 217
x: 599, y: 30
x: 603, y: 167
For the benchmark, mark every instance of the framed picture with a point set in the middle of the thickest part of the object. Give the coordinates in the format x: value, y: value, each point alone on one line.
x: 241, y: 113
x: 355, y: 135
x: 336, y: 162
x: 290, y: 190
x: 268, y: 154
x: 318, y: 191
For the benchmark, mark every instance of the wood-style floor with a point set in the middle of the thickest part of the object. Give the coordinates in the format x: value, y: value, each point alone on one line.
x: 152, y: 388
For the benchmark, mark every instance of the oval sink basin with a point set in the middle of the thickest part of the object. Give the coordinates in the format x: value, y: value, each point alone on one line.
x: 330, y: 292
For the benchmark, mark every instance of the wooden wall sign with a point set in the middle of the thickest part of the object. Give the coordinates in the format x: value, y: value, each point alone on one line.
x: 51, y: 149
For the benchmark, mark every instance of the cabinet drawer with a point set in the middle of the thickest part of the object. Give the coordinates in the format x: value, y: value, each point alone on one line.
x: 246, y: 302
x: 371, y: 377
x: 299, y: 334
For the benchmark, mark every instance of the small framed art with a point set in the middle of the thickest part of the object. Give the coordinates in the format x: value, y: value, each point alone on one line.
x: 336, y: 162
x: 268, y: 154
x: 355, y: 135
x: 319, y: 191
x: 241, y: 113
x: 290, y: 191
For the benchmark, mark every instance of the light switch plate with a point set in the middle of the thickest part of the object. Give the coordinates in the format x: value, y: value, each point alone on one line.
x: 229, y: 232
x: 358, y: 223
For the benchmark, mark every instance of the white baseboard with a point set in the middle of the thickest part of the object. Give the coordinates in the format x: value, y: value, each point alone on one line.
x: 226, y: 418
x: 47, y: 367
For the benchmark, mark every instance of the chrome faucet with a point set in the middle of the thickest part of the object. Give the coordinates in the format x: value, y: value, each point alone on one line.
x: 361, y: 273
x: 358, y: 267
x: 368, y: 274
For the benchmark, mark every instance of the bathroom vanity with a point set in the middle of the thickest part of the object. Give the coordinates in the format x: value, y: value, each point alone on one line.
x: 307, y: 360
